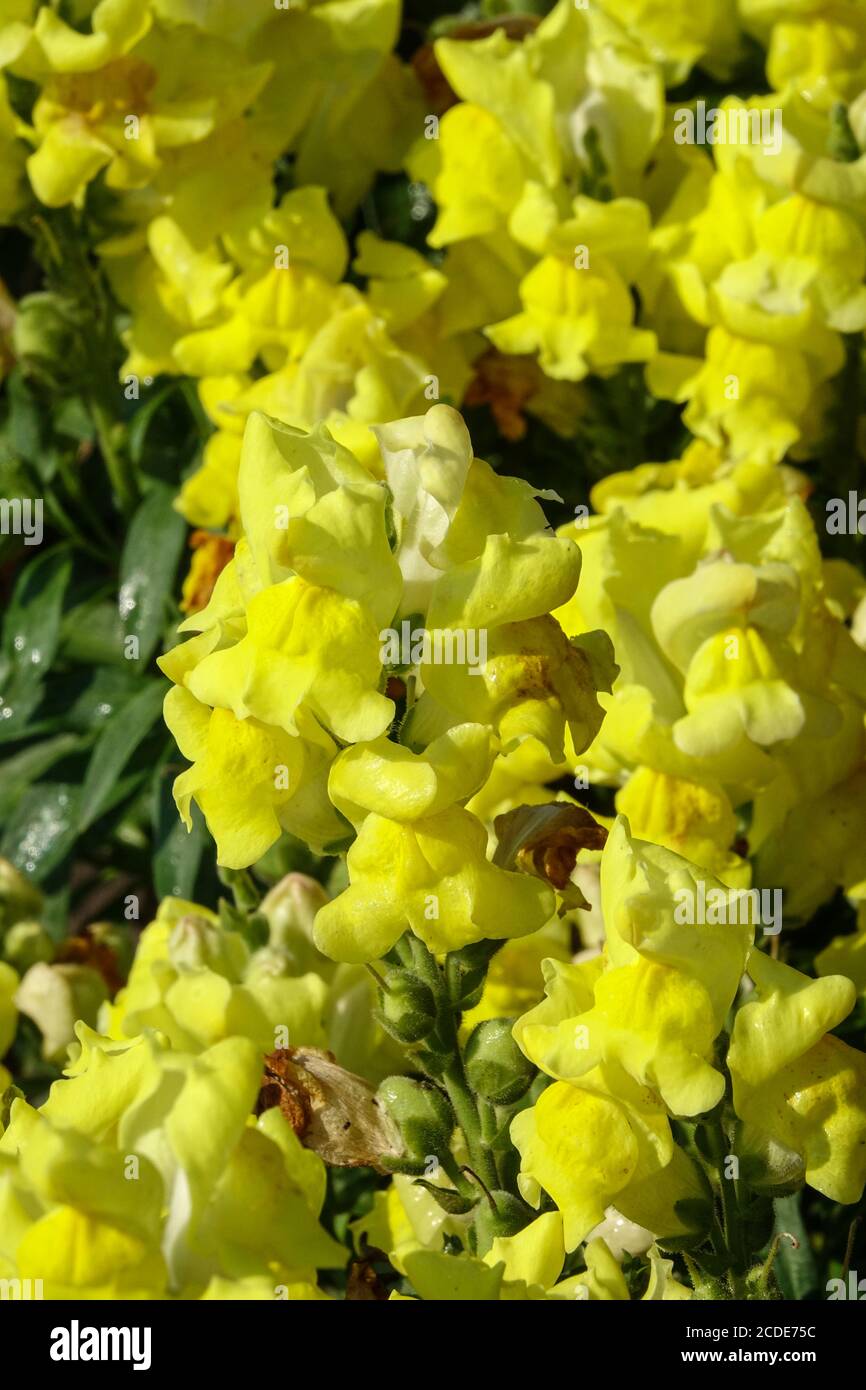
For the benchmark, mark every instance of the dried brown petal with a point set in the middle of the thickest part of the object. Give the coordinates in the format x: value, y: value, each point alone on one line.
x: 506, y: 384
x: 364, y: 1284
x: 334, y: 1112
x: 85, y: 949
x: 545, y: 841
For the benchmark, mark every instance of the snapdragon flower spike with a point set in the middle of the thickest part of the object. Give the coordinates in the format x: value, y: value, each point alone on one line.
x: 740, y: 683
x: 289, y: 666
x: 630, y: 1037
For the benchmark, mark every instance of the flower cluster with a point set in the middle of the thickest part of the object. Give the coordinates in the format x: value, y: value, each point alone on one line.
x: 284, y: 698
x: 198, y: 983
x: 115, y: 1188
x: 633, y: 1039
x: 501, y: 807
x: 735, y: 730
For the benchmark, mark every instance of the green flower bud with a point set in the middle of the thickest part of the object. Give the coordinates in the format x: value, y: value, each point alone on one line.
x: 290, y: 910
x: 496, y: 1068
x: 422, y: 1113
x: 55, y: 997
x: 45, y: 337
x: 408, y: 1009
x: 18, y: 897
x: 25, y: 944
x: 509, y: 1216
x: 196, y: 944
x: 466, y: 971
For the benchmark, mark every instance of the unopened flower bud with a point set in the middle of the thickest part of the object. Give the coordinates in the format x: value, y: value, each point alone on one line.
x: 408, y: 1009
x: 55, y: 997
x: 496, y: 1068
x: 505, y: 1217
x: 421, y: 1112
x: 45, y: 336
x: 197, y: 944
x: 18, y: 897
x: 25, y: 944
x: 290, y: 910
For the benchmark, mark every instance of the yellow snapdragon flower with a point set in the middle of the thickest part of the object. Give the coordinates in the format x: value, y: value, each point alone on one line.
x: 289, y: 661
x: 740, y: 684
x: 768, y: 256
x: 816, y: 48
x: 144, y: 1175
x: 113, y: 98
x: 796, y: 1083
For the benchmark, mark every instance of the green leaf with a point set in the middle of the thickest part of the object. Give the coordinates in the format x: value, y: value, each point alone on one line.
x: 449, y: 1200
x: 31, y: 629
x: 148, y: 567
x: 166, y: 431
x: 92, y: 634
x: 31, y: 632
x: 26, y: 429
x: 795, y: 1270
x: 90, y: 696
x: 72, y: 419
x: 177, y: 851
x: 20, y: 771
x: 43, y: 829
x: 114, y: 747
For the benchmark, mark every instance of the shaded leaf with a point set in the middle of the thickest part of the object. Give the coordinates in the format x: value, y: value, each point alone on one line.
x: 177, y: 852
x: 114, y: 747
x: 148, y: 567
x: 795, y: 1269
x: 449, y: 1200
x: 26, y: 767
x: 43, y: 828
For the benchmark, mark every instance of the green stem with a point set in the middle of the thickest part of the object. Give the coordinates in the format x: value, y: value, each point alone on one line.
x: 453, y: 1075
x: 70, y: 529
x: 489, y: 1131
x: 489, y: 1122
x: 74, y: 487
x: 243, y: 888
x: 463, y: 1101
x: 849, y: 1247
x: 116, y: 462
x: 449, y: 1165
x: 733, y: 1234
x: 730, y: 1213
x: 763, y: 1282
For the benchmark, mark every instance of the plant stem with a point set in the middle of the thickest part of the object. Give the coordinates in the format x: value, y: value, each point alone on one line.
x: 733, y: 1237
x: 116, y: 463
x: 466, y: 1110
x: 415, y: 956
x: 489, y: 1131
x: 767, y: 1268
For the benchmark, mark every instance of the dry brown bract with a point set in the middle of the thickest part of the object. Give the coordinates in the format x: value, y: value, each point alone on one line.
x: 545, y: 841
x: 333, y: 1112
